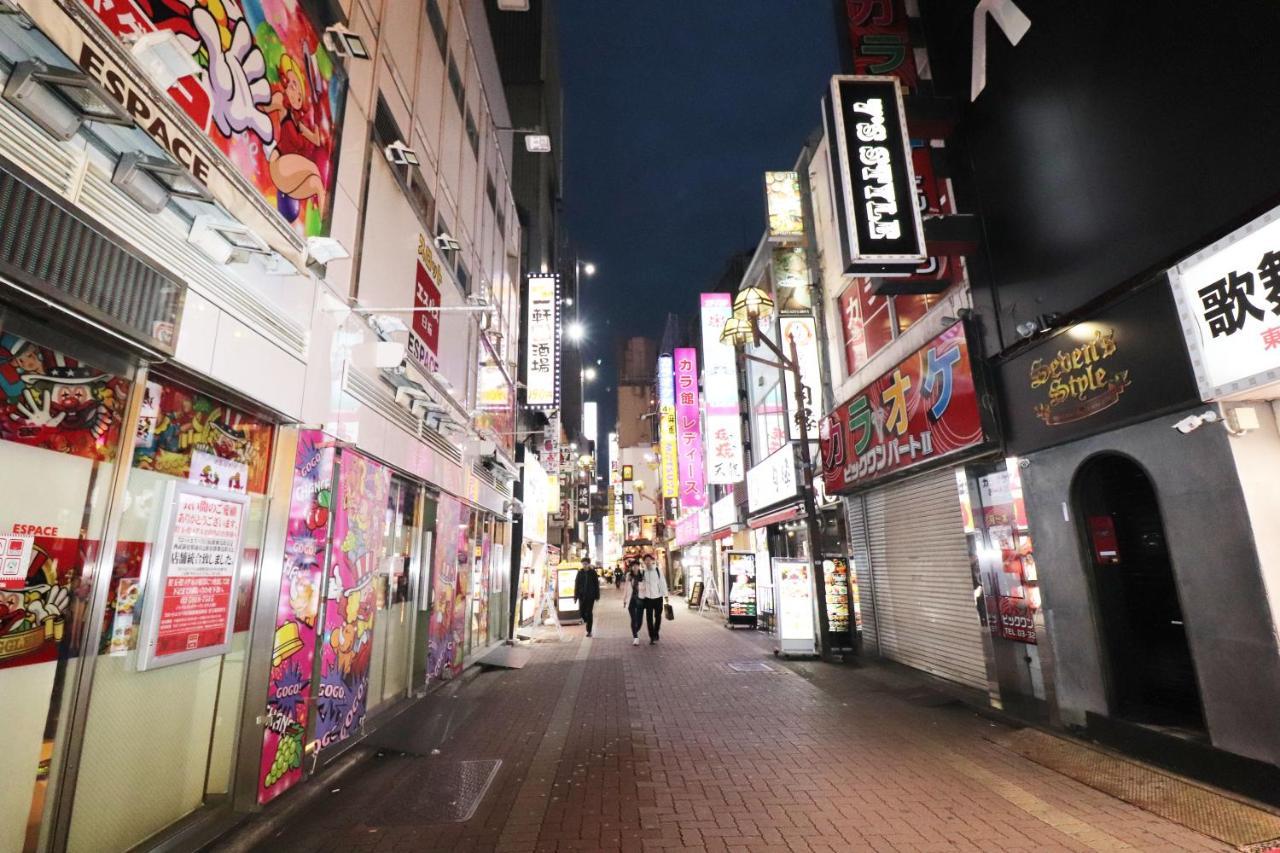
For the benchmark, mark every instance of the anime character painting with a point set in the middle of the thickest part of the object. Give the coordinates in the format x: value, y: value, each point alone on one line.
x: 268, y: 93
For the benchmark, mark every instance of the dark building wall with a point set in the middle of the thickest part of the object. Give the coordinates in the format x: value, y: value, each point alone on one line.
x: 1228, y: 622
x: 1116, y: 138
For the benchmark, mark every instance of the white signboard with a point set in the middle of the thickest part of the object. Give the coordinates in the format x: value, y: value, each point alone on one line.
x: 542, y: 343
x: 214, y: 472
x: 724, y: 512
x: 537, y: 493
x: 794, y: 590
x: 804, y: 331
x: 1228, y: 297
x: 773, y: 480
x: 723, y: 436
x: 191, y: 594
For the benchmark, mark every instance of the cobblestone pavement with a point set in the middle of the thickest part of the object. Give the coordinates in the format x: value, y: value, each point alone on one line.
x: 606, y: 746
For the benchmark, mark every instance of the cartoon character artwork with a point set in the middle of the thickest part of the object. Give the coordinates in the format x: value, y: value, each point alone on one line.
x: 351, y: 602
x: 53, y: 401
x: 293, y: 654
x: 445, y: 646
x: 34, y: 616
x: 268, y: 93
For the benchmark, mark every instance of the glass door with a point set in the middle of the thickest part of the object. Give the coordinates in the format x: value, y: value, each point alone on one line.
x: 392, y: 628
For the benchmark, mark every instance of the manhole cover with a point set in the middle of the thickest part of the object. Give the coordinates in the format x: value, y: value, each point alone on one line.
x: 749, y: 666
x: 450, y: 793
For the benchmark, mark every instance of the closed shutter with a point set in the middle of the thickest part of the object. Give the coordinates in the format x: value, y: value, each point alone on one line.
x: 860, y: 555
x: 920, y: 579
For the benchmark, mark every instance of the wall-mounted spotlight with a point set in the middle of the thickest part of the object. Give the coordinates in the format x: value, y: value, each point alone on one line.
x: 537, y: 143
x: 59, y: 100
x: 163, y: 57
x: 224, y: 241
x: 153, y: 181
x: 345, y: 43
x: 401, y: 154
x: 322, y: 250
x: 446, y: 243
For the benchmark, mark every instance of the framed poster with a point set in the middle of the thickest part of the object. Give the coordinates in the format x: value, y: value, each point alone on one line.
x: 742, y: 588
x: 835, y: 571
x: 191, y: 603
x: 794, y: 590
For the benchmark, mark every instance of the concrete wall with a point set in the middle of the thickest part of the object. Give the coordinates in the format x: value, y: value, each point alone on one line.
x: 1216, y: 568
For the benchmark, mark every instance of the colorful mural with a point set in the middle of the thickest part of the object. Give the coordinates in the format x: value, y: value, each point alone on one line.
x: 358, y: 530
x: 293, y: 656
x: 268, y: 94
x: 450, y: 586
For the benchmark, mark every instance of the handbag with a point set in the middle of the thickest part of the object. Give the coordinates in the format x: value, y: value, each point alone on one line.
x: 669, y: 611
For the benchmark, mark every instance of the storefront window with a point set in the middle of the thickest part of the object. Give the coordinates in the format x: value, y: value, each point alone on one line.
x: 159, y: 736
x: 389, y: 673
x: 867, y: 322
x: 499, y: 602
x: 61, y: 429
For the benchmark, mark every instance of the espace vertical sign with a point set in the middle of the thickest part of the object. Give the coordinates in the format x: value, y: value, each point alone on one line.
x: 881, y: 232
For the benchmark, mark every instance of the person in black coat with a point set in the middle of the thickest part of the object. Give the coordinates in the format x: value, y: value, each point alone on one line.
x: 586, y: 591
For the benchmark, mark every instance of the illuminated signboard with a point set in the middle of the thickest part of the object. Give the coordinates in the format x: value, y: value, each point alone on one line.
x: 542, y: 343
x: 881, y: 231
x: 667, y: 446
x: 782, y: 200
x: 537, y: 497
x: 773, y: 480
x: 804, y: 331
x: 720, y: 379
x: 692, y: 468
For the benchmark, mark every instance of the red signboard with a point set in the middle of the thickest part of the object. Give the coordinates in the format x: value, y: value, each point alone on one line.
x: 924, y: 409
x: 424, y: 339
x: 881, y: 39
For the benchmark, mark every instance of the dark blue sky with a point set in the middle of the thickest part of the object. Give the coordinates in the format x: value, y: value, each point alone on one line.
x: 674, y: 109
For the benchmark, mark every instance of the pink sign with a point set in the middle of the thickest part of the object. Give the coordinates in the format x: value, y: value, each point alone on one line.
x: 693, y: 474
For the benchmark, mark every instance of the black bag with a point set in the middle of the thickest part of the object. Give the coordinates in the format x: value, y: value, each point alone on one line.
x: 669, y: 612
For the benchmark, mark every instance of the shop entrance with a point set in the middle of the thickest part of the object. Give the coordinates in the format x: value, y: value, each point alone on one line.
x: 1151, y: 673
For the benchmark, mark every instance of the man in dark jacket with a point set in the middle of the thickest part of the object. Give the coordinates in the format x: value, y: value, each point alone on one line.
x: 586, y: 591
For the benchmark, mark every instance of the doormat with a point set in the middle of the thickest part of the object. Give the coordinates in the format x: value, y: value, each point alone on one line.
x: 443, y: 792
x: 749, y: 666
x: 1182, y: 801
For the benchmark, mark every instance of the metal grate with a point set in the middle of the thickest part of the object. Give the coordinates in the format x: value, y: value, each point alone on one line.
x: 46, y: 248
x: 450, y: 792
x: 749, y: 666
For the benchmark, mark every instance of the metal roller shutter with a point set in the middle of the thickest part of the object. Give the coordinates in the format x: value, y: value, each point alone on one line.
x: 860, y: 555
x: 921, y: 583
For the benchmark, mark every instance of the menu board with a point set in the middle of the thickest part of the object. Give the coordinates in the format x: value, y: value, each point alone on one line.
x: 794, y: 588
x: 566, y: 575
x: 192, y: 615
x: 835, y: 571
x: 695, y: 594
x: 742, y: 588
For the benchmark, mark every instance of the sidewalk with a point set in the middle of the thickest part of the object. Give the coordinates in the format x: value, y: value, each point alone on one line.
x: 606, y: 746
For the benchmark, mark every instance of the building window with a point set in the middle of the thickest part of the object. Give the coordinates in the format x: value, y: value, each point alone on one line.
x: 473, y: 135
x: 491, y: 193
x: 410, y: 178
x: 464, y: 277
x: 455, y: 84
x: 437, y: 26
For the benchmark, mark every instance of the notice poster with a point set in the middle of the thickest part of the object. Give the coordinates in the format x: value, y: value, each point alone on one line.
x: 194, y: 613
x: 742, y: 588
x: 794, y: 589
x: 350, y: 600
x: 293, y: 655
x: 835, y: 571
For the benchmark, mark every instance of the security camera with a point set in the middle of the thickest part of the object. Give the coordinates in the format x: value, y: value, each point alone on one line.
x: 446, y: 243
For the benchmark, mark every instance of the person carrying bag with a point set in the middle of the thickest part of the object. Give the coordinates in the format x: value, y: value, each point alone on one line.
x: 653, y: 589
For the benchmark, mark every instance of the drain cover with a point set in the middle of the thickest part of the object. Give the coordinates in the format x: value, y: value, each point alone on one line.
x: 450, y: 793
x: 749, y: 666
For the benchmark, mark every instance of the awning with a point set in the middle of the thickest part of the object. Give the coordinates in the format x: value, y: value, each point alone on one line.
x: 722, y: 534
x: 777, y: 517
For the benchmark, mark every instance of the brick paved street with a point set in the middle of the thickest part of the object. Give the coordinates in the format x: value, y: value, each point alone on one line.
x: 605, y: 746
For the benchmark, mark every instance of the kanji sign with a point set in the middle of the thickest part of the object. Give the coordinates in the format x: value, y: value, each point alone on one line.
x: 667, y: 446
x: 542, y: 343
x: 804, y: 332
x: 923, y: 410
x: 692, y: 468
x: 773, y: 480
x: 1229, y: 300
x: 881, y: 230
x: 720, y: 379
x: 424, y: 329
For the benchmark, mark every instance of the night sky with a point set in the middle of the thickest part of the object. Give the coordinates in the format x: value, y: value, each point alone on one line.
x: 674, y: 109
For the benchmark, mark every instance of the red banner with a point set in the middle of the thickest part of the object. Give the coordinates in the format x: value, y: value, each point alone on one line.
x: 924, y: 409
x: 881, y: 39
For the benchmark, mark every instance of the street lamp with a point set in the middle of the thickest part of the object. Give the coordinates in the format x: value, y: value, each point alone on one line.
x: 751, y: 305
x: 575, y: 331
x: 588, y: 267
x: 589, y: 374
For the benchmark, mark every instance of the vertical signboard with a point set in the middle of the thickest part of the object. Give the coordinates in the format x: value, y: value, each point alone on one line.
x: 784, y: 206
x: 794, y: 588
x: 359, y: 521
x: 591, y: 425
x: 537, y: 489
x: 424, y: 328
x: 741, y: 591
x: 804, y: 332
x: 542, y: 343
x: 720, y: 379
x: 693, y: 478
x: 881, y: 231
x: 293, y: 653
x: 667, y: 447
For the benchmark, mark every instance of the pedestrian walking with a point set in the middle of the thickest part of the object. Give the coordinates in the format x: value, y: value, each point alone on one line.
x: 586, y: 591
x: 631, y: 599
x: 653, y: 589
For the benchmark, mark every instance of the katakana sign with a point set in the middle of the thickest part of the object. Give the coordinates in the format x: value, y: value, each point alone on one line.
x: 1229, y: 299
x: 923, y: 410
x: 692, y: 468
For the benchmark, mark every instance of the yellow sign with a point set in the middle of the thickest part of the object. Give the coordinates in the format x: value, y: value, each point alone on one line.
x: 667, y: 447
x: 1079, y: 386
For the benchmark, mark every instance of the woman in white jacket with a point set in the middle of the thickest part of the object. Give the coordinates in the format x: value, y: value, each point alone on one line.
x: 653, y: 591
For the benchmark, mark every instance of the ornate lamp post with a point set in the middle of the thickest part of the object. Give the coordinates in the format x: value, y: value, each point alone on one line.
x: 750, y: 306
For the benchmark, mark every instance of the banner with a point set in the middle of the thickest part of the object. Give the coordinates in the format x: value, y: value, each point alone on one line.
x: 804, y: 331
x: 542, y: 343
x: 667, y: 447
x: 268, y: 94
x: 449, y: 585
x: 720, y: 380
x: 692, y: 468
x: 293, y: 655
x: 923, y: 410
x: 359, y: 520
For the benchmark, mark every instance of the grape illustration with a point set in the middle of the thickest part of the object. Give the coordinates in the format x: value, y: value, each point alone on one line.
x: 288, y: 756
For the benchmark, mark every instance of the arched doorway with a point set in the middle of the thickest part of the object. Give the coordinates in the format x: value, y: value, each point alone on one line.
x: 1151, y: 673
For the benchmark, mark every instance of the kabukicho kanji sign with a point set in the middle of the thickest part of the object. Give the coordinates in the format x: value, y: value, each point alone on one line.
x: 693, y: 476
x: 924, y: 409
